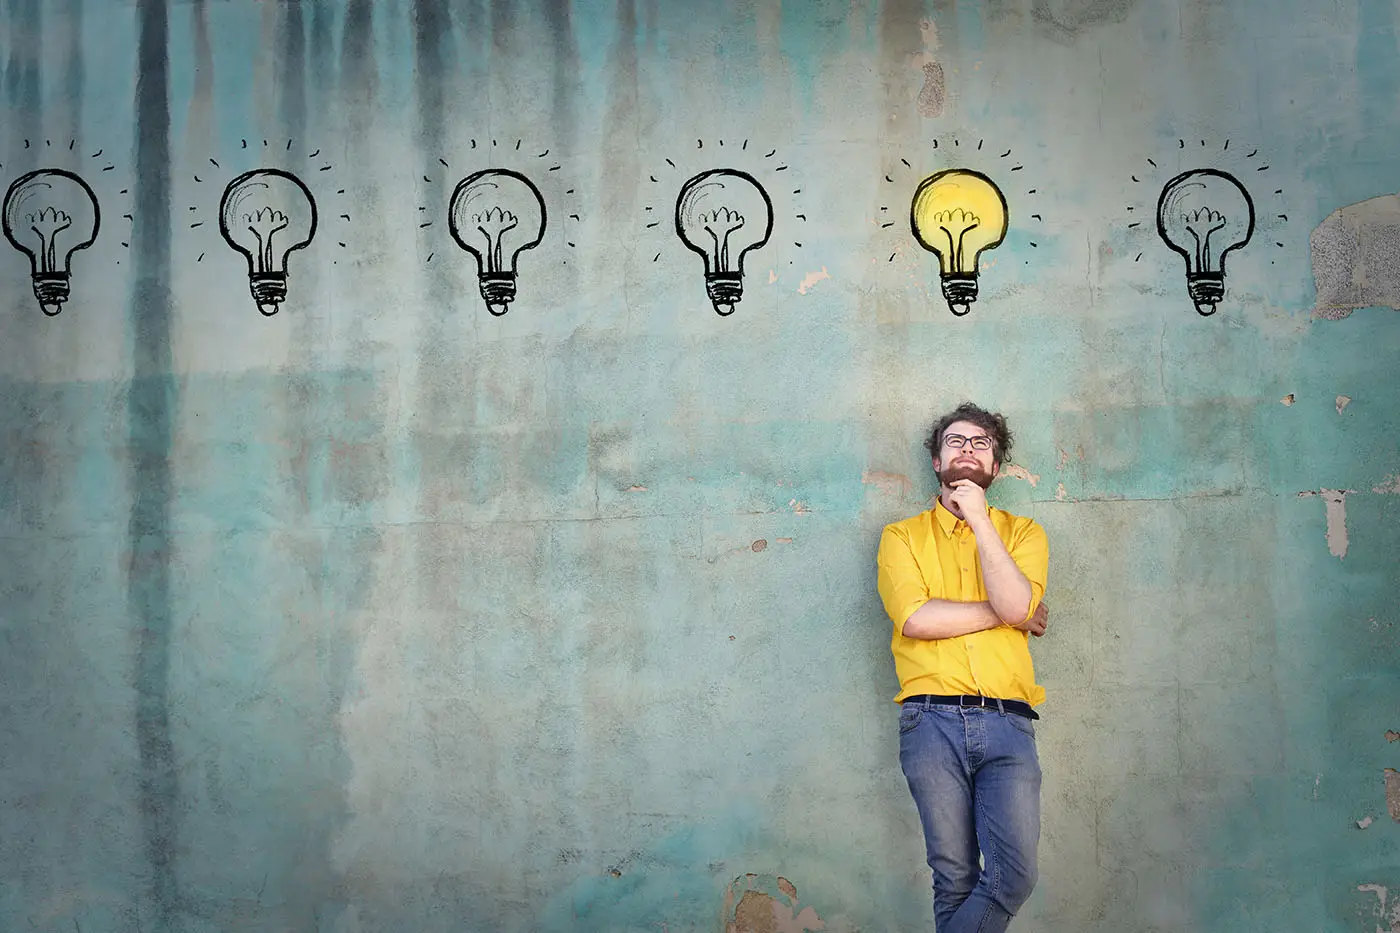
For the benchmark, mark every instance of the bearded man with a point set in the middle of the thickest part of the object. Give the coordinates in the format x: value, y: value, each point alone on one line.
x: 963, y: 584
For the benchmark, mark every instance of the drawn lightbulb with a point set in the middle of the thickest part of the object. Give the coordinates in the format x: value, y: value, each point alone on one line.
x: 1203, y: 215
x: 495, y: 215
x: 723, y: 214
x: 49, y: 215
x: 266, y: 214
x: 957, y: 214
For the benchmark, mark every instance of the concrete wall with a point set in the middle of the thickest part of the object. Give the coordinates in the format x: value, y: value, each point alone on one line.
x: 385, y: 613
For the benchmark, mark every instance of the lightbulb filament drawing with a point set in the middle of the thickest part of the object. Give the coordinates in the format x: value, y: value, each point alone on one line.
x: 496, y: 214
x: 724, y: 214
x: 1203, y: 215
x: 267, y: 214
x: 957, y: 214
x: 49, y: 215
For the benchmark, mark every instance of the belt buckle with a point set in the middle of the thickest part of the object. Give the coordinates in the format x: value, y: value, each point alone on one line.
x: 980, y: 704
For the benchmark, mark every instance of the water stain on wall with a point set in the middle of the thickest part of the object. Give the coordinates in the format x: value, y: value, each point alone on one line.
x: 150, y: 422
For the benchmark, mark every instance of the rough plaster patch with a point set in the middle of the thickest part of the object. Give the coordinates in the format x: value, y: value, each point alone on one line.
x: 801, y: 508
x: 1288, y: 399
x: 1020, y: 472
x: 1392, y: 917
x: 894, y: 484
x: 760, y: 545
x: 1365, y: 821
x: 1391, y: 484
x: 1342, y: 402
x: 1392, y: 793
x: 1335, y: 500
x: 1354, y: 254
x: 811, y: 279
x: 934, y: 92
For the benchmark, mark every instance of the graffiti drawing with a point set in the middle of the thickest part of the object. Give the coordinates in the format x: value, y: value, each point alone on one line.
x: 1203, y: 214
x: 496, y: 214
x: 723, y: 214
x: 957, y: 214
x: 1199, y: 202
x: 266, y: 215
x: 49, y: 215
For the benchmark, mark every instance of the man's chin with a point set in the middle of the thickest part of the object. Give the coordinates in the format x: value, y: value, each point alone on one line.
x: 954, y: 473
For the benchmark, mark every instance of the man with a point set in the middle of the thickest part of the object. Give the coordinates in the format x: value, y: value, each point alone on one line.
x: 963, y: 585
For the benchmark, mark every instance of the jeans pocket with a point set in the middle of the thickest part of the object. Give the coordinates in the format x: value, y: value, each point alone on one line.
x: 1021, y: 724
x: 909, y: 718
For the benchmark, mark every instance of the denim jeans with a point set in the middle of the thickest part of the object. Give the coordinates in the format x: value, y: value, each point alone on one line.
x: 975, y: 778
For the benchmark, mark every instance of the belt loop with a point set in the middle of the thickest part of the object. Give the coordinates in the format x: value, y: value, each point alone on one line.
x: 1000, y: 708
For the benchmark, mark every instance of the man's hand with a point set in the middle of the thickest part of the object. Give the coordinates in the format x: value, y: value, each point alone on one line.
x: 968, y: 501
x: 1038, y: 621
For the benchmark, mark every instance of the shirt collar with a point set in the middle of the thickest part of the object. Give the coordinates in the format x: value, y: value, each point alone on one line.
x: 946, y: 521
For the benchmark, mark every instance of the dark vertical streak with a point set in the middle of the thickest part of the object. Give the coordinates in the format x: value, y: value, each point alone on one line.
x: 291, y: 83
x: 74, y: 75
x: 357, y: 71
x: 566, y: 71
x: 150, y: 422
x: 322, y: 45
x: 22, y: 76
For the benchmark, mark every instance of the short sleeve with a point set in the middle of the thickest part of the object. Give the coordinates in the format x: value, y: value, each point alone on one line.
x: 1030, y: 549
x: 900, y: 581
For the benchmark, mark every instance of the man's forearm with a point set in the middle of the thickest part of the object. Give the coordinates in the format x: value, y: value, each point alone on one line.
x: 949, y: 618
x: 1008, y: 590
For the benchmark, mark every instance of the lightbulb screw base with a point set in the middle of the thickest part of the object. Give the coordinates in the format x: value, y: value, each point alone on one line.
x: 725, y: 289
x: 269, y: 291
x: 52, y: 289
x: 498, y: 290
x: 1206, y: 290
x: 960, y: 291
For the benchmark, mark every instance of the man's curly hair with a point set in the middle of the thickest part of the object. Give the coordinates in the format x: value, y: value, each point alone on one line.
x: 992, y: 422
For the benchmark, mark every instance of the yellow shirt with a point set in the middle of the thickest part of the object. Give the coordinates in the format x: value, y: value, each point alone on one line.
x: 934, y: 556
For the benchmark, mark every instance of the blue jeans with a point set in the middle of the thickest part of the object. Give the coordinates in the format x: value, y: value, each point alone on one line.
x: 975, y: 778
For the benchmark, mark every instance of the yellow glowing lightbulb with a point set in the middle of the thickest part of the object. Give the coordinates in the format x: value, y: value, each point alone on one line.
x: 957, y: 214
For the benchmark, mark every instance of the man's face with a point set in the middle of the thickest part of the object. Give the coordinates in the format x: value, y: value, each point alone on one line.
x: 958, y: 457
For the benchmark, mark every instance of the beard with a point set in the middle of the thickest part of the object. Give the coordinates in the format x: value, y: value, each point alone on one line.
x: 978, y: 475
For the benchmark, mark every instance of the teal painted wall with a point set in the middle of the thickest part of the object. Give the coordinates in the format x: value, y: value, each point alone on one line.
x: 387, y: 614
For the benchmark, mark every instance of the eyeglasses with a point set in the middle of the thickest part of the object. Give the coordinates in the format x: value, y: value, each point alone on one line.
x: 958, y: 442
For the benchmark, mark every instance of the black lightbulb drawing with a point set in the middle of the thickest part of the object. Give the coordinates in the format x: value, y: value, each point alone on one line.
x: 49, y: 215
x: 496, y: 214
x: 1203, y: 215
x: 267, y: 214
x: 723, y: 214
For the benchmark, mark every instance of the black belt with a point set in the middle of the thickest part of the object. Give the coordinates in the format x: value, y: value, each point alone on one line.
x: 1010, y: 706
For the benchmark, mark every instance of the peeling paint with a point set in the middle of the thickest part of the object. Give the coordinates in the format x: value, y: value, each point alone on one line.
x: 760, y: 545
x: 1392, y: 793
x: 1390, y: 485
x: 636, y: 488
x: 801, y: 508
x: 783, y: 540
x: 1389, y: 916
x: 811, y: 279
x: 767, y: 904
x: 1342, y: 402
x: 1365, y: 821
x: 1392, y: 736
x: 894, y: 484
x: 1288, y: 399
x: 1021, y: 473
x: 1335, y: 500
x: 1353, y: 258
x: 1061, y: 494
